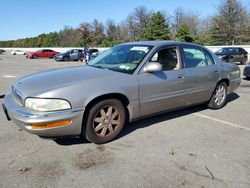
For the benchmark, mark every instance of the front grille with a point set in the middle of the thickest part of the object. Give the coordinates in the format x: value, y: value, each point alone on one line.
x: 17, y: 95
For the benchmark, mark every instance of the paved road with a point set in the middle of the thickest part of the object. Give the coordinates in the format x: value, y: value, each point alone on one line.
x: 194, y: 147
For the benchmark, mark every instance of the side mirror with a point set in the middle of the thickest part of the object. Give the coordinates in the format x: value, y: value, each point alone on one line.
x: 153, y: 67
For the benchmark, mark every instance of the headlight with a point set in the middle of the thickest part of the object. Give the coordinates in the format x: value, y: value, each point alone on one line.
x: 46, y: 105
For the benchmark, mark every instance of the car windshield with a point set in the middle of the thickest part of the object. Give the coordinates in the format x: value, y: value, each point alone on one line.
x: 225, y: 50
x: 121, y: 58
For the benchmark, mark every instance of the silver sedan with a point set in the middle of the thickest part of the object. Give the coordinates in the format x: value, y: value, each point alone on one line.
x: 122, y: 84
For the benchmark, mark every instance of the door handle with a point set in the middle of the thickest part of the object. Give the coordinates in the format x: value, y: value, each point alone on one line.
x: 181, y: 76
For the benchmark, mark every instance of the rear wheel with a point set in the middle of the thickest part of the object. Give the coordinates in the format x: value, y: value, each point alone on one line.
x: 105, y: 121
x: 219, y: 97
x: 34, y: 57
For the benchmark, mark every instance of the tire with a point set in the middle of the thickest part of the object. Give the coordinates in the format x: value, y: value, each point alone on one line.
x: 34, y: 57
x: 219, y: 97
x: 14, y: 54
x: 65, y: 59
x: 105, y: 121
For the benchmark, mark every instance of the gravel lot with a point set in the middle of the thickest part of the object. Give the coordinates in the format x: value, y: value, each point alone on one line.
x: 194, y: 147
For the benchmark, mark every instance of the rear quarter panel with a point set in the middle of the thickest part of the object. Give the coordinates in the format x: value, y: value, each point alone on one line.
x: 232, y: 73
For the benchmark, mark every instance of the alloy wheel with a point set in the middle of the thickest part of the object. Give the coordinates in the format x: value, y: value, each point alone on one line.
x: 106, y: 121
x: 220, y: 95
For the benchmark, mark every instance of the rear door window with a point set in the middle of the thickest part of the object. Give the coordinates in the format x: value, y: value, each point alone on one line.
x: 197, y: 57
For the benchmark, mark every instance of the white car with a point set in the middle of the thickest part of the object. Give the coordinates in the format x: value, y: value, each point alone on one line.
x: 18, y: 52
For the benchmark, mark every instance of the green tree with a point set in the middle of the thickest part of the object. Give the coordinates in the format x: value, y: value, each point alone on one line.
x: 183, y: 34
x: 157, y: 29
x: 229, y: 25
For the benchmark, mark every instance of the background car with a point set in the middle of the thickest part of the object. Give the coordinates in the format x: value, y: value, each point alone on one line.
x: 75, y: 55
x: 246, y: 71
x: 122, y: 84
x: 90, y: 53
x: 45, y: 53
x: 2, y: 51
x: 232, y: 54
x: 18, y: 52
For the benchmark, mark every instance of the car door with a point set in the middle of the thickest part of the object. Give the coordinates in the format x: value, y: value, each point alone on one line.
x: 202, y: 73
x: 236, y: 55
x: 74, y: 55
x: 164, y: 90
x: 50, y: 53
x: 44, y: 53
x: 243, y: 55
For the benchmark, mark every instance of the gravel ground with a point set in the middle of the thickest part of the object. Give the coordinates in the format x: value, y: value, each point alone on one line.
x: 194, y: 147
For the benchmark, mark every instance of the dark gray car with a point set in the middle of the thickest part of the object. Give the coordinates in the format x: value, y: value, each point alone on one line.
x: 74, y: 54
x: 232, y: 54
x: 122, y: 84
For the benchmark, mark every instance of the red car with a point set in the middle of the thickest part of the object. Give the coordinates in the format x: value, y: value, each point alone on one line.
x: 46, y: 53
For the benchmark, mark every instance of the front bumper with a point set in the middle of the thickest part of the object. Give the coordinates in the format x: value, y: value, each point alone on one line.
x: 24, y: 119
x: 58, y: 58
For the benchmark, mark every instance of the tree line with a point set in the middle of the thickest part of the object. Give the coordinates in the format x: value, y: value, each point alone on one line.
x: 230, y: 25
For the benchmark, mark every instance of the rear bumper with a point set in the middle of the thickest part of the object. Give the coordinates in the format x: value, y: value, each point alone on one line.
x: 234, y: 84
x: 24, y: 119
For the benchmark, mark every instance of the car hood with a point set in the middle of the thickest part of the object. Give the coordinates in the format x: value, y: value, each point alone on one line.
x: 37, y: 83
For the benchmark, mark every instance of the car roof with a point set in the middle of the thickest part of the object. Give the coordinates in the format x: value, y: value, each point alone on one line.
x: 161, y: 42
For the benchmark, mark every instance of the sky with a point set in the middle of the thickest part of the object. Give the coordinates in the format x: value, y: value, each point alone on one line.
x: 29, y: 18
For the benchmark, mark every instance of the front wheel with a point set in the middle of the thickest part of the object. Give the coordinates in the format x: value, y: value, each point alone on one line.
x: 105, y: 121
x: 219, y: 97
x: 65, y: 59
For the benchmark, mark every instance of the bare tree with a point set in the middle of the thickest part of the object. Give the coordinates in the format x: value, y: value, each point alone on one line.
x: 181, y: 17
x: 97, y: 33
x: 137, y: 21
x: 85, y: 29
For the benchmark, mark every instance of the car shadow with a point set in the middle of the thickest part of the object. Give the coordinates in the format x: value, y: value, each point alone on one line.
x: 232, y: 96
x: 2, y: 96
x: 246, y: 78
x: 145, y: 122
x: 68, y: 141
